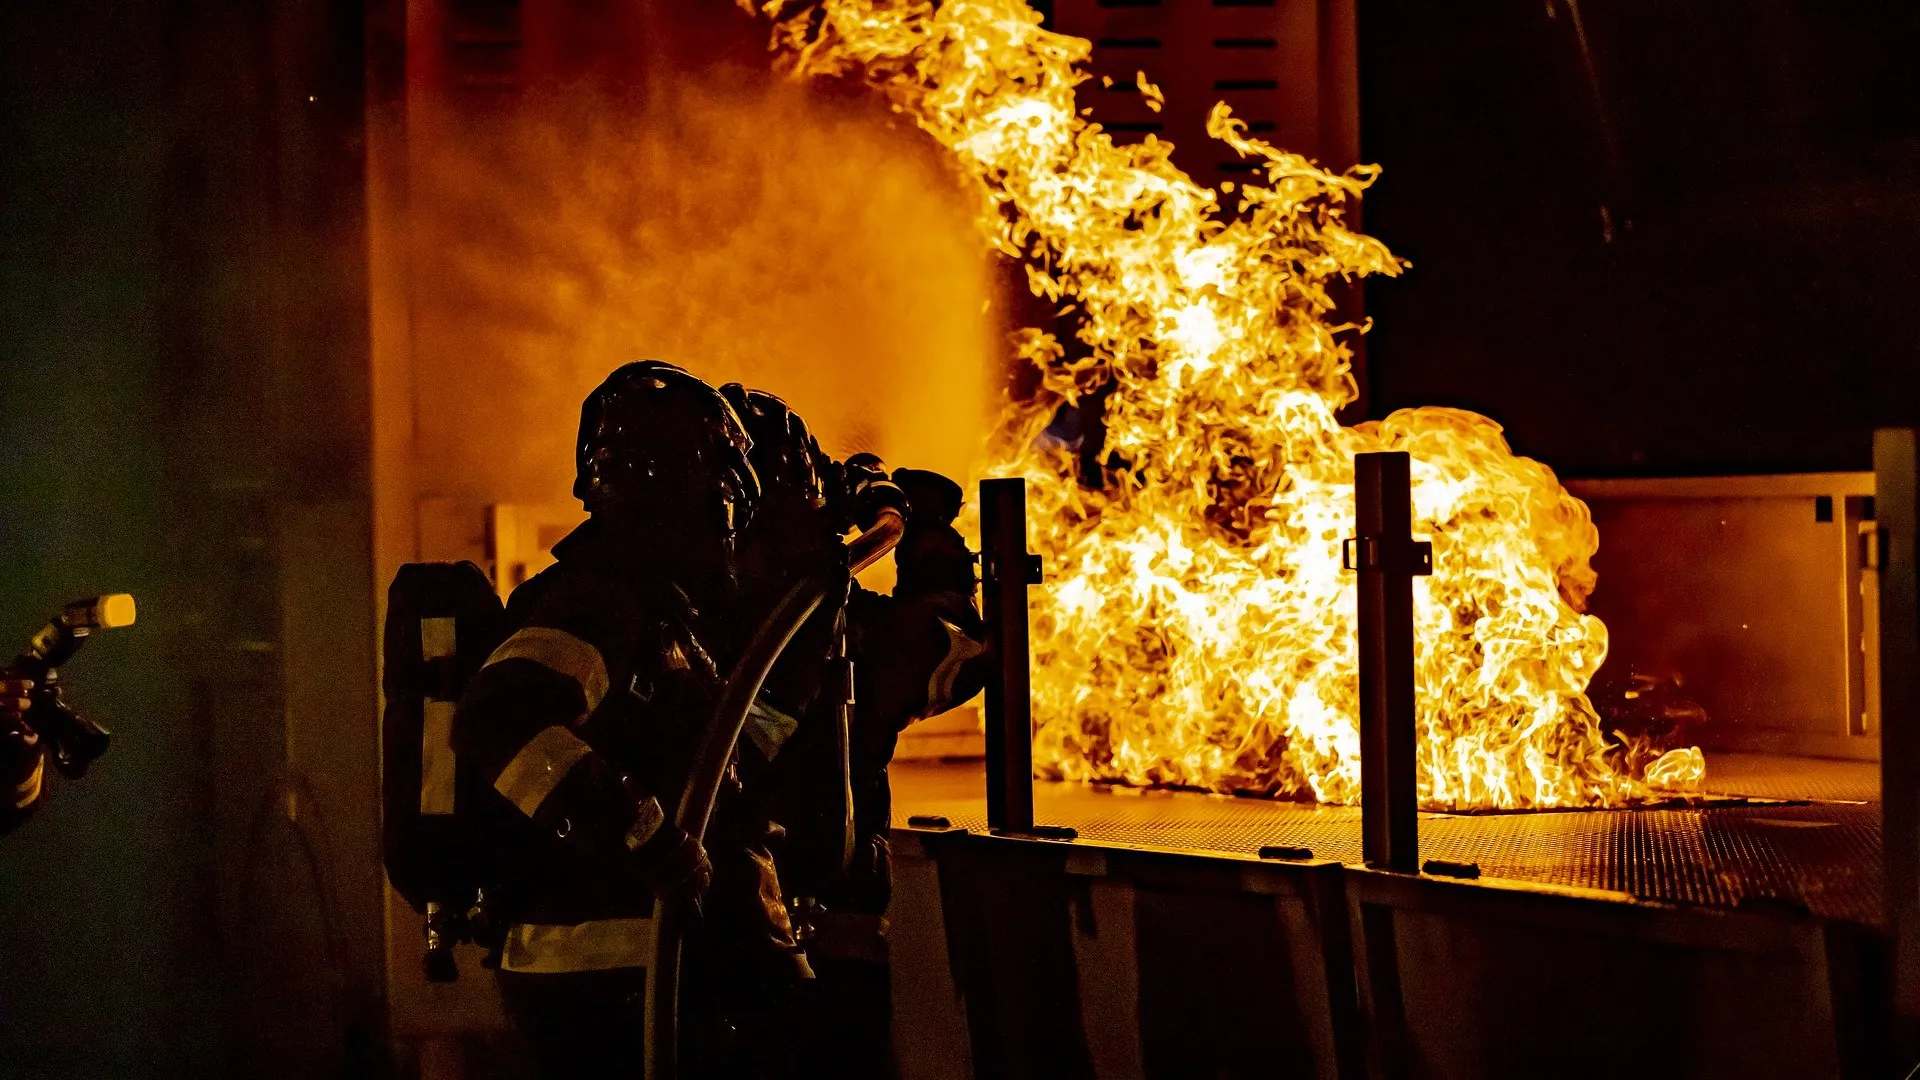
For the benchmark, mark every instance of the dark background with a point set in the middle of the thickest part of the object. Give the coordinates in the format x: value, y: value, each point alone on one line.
x: 182, y: 327
x: 1693, y: 255
x: 182, y: 339
x: 104, y: 905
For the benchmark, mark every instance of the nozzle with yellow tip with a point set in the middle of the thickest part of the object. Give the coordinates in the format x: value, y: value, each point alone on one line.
x: 62, y: 637
x: 114, y: 611
x: 74, y: 742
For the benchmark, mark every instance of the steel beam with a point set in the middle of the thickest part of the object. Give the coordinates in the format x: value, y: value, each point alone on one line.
x: 1387, y: 558
x: 1006, y: 570
x: 1896, y: 532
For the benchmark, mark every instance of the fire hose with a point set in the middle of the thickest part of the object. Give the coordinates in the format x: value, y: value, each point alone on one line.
x: 737, y: 696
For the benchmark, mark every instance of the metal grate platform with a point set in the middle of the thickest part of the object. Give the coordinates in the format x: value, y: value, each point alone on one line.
x: 1823, y: 854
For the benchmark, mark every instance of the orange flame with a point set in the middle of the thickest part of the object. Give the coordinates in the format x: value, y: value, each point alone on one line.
x: 1198, y: 629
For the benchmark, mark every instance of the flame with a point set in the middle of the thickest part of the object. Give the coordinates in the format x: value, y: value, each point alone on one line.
x: 1198, y: 629
x: 1678, y: 770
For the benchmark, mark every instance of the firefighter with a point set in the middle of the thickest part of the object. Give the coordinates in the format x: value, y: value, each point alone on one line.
x: 36, y: 724
x: 22, y: 757
x: 915, y: 653
x: 584, y: 723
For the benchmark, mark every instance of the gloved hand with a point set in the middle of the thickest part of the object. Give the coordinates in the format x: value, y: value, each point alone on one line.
x: 14, y: 702
x: 20, y: 752
x: 931, y: 557
x: 870, y: 489
x: 676, y: 866
x: 862, y: 469
x: 932, y: 498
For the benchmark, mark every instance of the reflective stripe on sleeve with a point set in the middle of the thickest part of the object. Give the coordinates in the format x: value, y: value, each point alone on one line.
x: 601, y: 945
x: 28, y: 792
x: 769, y: 728
x: 960, y: 649
x: 559, y: 651
x: 539, y: 767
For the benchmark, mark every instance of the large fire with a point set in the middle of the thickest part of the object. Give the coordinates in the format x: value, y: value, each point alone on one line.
x: 1197, y: 628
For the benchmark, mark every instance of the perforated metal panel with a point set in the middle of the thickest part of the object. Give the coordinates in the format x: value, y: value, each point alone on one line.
x: 1277, y: 63
x: 1767, y: 776
x: 1821, y: 855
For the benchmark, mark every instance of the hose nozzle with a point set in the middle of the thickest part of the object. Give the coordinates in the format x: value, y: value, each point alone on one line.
x: 109, y: 612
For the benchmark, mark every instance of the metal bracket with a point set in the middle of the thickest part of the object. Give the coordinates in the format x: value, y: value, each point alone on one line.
x: 839, y: 681
x: 1009, y: 569
x: 1040, y: 832
x: 1416, y: 556
x: 1875, y: 543
x: 1035, y: 570
x: 1388, y: 557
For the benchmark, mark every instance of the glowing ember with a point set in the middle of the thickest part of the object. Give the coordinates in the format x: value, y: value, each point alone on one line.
x: 1198, y: 629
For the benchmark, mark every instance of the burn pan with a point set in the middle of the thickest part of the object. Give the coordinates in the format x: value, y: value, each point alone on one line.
x: 1789, y: 833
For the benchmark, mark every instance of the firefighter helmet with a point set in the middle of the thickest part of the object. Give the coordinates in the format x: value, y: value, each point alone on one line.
x: 655, y: 439
x: 785, y: 454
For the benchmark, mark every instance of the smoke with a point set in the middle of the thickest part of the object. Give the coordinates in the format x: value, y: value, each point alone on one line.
x: 742, y: 227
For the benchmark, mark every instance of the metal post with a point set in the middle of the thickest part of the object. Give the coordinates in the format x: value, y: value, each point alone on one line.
x: 1387, y: 558
x: 1894, y: 498
x: 1006, y: 569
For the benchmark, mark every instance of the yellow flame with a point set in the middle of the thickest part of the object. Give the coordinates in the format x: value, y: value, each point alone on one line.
x: 1678, y: 770
x: 1198, y: 629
